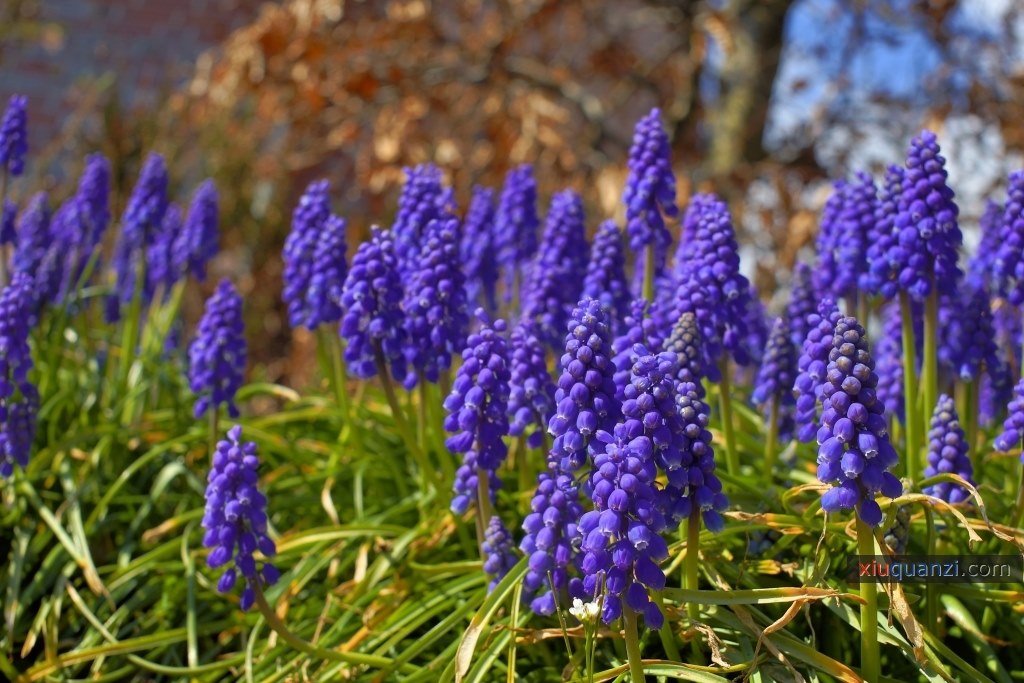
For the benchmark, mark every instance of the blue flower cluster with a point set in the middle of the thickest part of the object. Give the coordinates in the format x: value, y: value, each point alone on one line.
x: 1009, y: 257
x: 14, y: 136
x: 811, y: 368
x: 1013, y: 427
x: 197, y: 242
x: 19, y: 399
x: 605, y: 278
x: 308, y: 219
x: 803, y: 302
x: 889, y: 362
x: 550, y: 528
x: 217, y: 356
x: 636, y: 329
x: 531, y: 390
x: 498, y: 548
x: 968, y: 342
x: 846, y: 222
x: 516, y: 223
x: 885, y: 255
x: 947, y: 452
x: 235, y: 518
x: 650, y: 192
x: 478, y: 255
x: 327, y: 275
x: 422, y: 200
x: 775, y: 377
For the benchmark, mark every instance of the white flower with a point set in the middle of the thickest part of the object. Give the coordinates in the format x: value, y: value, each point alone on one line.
x: 586, y: 612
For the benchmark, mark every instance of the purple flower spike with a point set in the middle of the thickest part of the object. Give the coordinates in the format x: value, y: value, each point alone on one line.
x: 499, y: 554
x: 1013, y: 426
x: 477, y: 411
x: 1009, y: 261
x: 803, y: 302
x: 854, y: 453
x: 327, y: 276
x: 929, y: 236
x: 684, y: 341
x: 650, y: 192
x: 947, y: 452
x: 160, y: 269
x: 33, y: 236
x: 308, y: 219
x: 550, y: 529
x: 846, y: 222
x: 532, y: 392
x: 968, y: 342
x: 636, y: 329
x: 79, y: 224
x: 17, y: 414
x: 435, y: 303
x: 811, y: 366
x: 197, y: 242
x: 13, y: 136
x: 605, y: 279
x: 372, y: 316
x: 889, y: 355
x: 516, y: 223
x: 982, y: 264
x: 235, y: 519
x: 885, y: 255
x: 775, y: 377
x: 8, y: 219
x: 217, y: 356
x: 996, y: 390
x: 422, y: 201
x: 479, y: 256
x: 558, y: 269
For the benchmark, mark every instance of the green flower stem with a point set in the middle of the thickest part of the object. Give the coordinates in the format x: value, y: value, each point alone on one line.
x: 862, y: 305
x: 910, y: 389
x: 214, y: 417
x: 1018, y: 511
x: 648, y: 291
x: 869, y: 654
x: 732, y: 462
x: 483, y: 502
x: 422, y: 419
x: 279, y: 627
x: 931, y: 600
x: 330, y: 342
x: 636, y: 667
x: 691, y: 572
x: 668, y: 640
x: 771, y: 448
x: 930, y: 366
x: 522, y: 464
x: 396, y: 413
x: 130, y: 337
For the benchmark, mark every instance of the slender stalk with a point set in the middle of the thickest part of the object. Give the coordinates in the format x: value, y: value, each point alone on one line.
x: 483, y: 509
x: 648, y: 291
x: 732, y: 462
x: 422, y: 426
x: 636, y: 667
x: 561, y: 616
x: 330, y: 342
x: 396, y: 412
x: 279, y: 627
x: 862, y: 305
x: 214, y: 416
x: 668, y: 640
x: 869, y: 654
x: 930, y: 366
x: 912, y: 419
x: 692, y: 561
x: 771, y: 440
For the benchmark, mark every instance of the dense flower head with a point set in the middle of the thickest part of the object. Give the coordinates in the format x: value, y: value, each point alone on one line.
x: 479, y: 257
x: 854, y: 453
x: 968, y: 342
x: 33, y: 236
x: 776, y: 376
x: 982, y: 264
x: 516, y: 221
x: 585, y: 397
x: 160, y: 270
x: 550, y: 529
x: 18, y: 429
x: 927, y: 222
x: 889, y: 362
x: 803, y: 301
x: 217, y: 356
x: 327, y: 276
x: 1013, y: 427
x: 996, y: 390
x: 947, y: 452
x: 435, y: 302
x: 197, y: 242
x: 477, y: 410
x: 898, y: 534
x: 14, y: 136
x: 755, y: 322
x: 605, y: 278
x: 811, y: 367
x: 558, y: 268
x: 684, y: 341
x: 1009, y: 258
x: 498, y: 548
x: 308, y: 218
x: 421, y: 201
x: 531, y: 389
x: 885, y: 255
x: 711, y: 285
x: 371, y: 304
x: 847, y: 220
x: 650, y: 192
x: 235, y: 518
x: 19, y: 400
x: 8, y: 220
x: 635, y: 330
x: 80, y: 222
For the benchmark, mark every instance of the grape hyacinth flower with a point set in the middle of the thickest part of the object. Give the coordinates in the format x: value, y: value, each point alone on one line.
x: 558, y: 269
x: 217, y: 356
x: 160, y: 270
x: 499, y: 556
x: 621, y: 537
x: 947, y: 452
x: 684, y: 342
x: 8, y: 218
x: 235, y: 519
x: 327, y: 275
x: 1009, y: 263
x: 885, y: 255
x: 19, y: 399
x: 968, y: 342
x: 811, y: 368
x: 755, y: 321
x: 605, y: 278
x: 308, y: 219
x: 803, y: 302
x: 848, y: 218
x: 33, y: 237
x: 1013, y: 426
x: 371, y: 323
x: 982, y: 264
x: 531, y: 390
x: 14, y: 137
x: 515, y: 224
x: 995, y: 391
x: 550, y: 529
x: 854, y: 453
x: 421, y: 201
x: 650, y: 194
x: 636, y: 330
x: 197, y: 242
x: 81, y: 221
x: 477, y: 411
x: 889, y: 362
x: 478, y: 253
x: 898, y: 534
x: 773, y: 386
